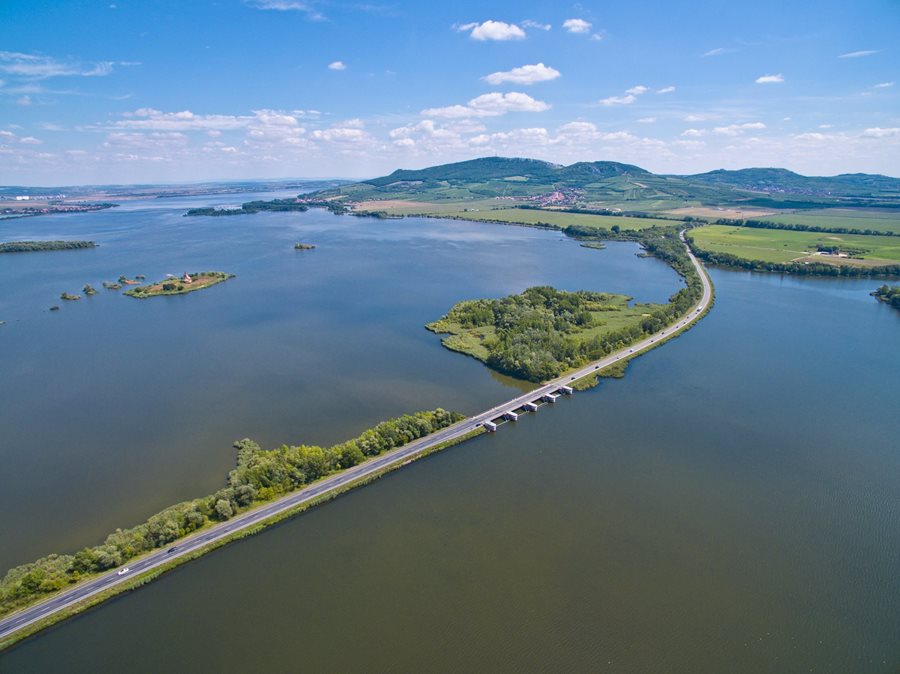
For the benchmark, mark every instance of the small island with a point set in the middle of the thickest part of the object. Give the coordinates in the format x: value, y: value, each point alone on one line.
x: 888, y: 295
x: 277, y: 206
x: 111, y: 286
x: 89, y: 289
x: 303, y: 246
x: 39, y: 246
x: 179, y: 285
x: 71, y: 298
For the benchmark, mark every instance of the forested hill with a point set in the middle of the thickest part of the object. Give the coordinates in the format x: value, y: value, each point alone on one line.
x: 505, y: 168
x: 779, y: 180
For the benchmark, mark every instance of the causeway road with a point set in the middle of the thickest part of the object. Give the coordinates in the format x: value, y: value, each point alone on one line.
x: 252, y: 518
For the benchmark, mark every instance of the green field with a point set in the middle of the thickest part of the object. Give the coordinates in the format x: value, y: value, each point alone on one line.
x: 528, y: 216
x: 849, y: 218
x: 776, y: 245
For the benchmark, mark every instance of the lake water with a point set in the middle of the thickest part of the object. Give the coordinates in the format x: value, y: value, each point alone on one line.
x: 730, y: 505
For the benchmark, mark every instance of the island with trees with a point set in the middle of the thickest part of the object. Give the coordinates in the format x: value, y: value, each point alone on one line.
x: 179, y: 285
x: 303, y: 246
x: 544, y: 332
x: 259, y: 476
x: 888, y: 295
x: 275, y: 206
x: 40, y: 246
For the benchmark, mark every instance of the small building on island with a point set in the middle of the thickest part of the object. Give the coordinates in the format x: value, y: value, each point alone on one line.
x: 187, y: 278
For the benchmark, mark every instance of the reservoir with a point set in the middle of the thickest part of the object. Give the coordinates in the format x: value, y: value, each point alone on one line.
x: 730, y: 505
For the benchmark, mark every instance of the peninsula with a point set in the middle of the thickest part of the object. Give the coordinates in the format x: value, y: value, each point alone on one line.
x: 180, y: 285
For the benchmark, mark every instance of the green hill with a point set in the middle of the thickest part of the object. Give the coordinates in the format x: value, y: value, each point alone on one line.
x: 782, y: 181
x: 492, y: 183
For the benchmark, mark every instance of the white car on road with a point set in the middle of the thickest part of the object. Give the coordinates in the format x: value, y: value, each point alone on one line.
x: 123, y: 571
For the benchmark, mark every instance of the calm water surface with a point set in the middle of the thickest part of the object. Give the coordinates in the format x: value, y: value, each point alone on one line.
x: 731, y: 505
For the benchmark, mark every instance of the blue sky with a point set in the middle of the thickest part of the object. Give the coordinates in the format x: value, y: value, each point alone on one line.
x: 149, y: 91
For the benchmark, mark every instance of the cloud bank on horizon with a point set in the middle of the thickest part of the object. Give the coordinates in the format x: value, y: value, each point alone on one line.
x: 321, y: 88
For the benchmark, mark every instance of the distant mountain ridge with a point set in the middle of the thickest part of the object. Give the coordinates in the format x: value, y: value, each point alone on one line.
x: 782, y: 180
x: 609, y: 184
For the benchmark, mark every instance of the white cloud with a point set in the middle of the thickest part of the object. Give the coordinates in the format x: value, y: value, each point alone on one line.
x: 666, y: 90
x: 528, y: 74
x: 490, y: 105
x: 30, y: 140
x: 770, y: 79
x: 341, y: 133
x: 24, y: 100
x: 883, y: 85
x: 577, y: 25
x: 157, y: 120
x: 858, y: 54
x: 878, y: 132
x: 38, y: 66
x: 629, y: 97
x: 290, y: 5
x: 737, y: 129
x: 618, y: 100
x: 718, y: 51
x: 825, y: 126
x: 693, y: 133
x: 596, y: 37
x: 337, y: 65
x: 701, y: 117
x: 262, y: 125
x: 647, y: 120
x: 493, y: 30
x: 528, y: 23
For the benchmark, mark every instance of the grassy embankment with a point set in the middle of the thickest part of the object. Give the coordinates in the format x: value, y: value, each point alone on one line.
x: 142, y: 579
x: 178, y: 286
x: 260, y: 477
x: 781, y: 247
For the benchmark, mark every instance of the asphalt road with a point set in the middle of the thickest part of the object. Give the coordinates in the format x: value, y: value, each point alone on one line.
x: 17, y: 621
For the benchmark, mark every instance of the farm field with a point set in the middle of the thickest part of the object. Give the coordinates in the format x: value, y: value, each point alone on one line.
x: 561, y: 219
x: 883, y: 221
x: 775, y: 245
